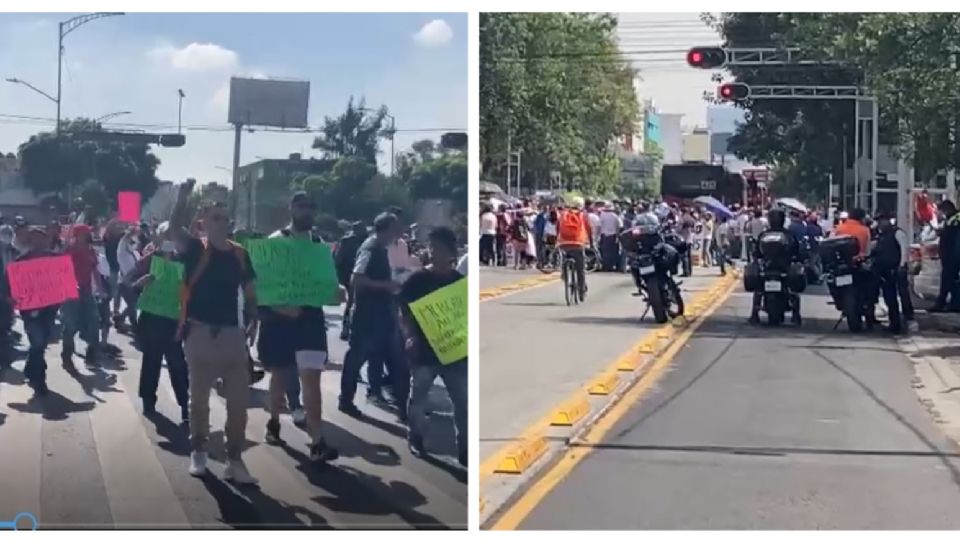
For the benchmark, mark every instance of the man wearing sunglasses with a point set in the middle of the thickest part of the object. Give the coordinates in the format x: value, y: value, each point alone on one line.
x: 213, y: 330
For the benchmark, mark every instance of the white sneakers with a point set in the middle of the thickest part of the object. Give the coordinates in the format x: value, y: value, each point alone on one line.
x: 299, y: 416
x: 198, y: 463
x: 237, y: 473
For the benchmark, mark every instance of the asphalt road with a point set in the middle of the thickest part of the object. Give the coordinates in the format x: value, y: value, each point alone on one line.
x: 536, y: 351
x: 84, y: 456
x: 763, y: 428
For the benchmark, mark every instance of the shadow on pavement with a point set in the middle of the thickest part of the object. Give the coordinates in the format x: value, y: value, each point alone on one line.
x: 177, y: 436
x: 12, y: 376
x: 53, y: 406
x: 99, y: 381
x: 354, y: 491
x: 350, y: 445
x: 632, y: 322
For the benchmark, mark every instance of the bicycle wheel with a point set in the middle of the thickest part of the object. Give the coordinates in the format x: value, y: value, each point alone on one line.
x: 567, y: 278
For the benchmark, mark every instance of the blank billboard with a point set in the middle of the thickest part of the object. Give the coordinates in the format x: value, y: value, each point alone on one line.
x: 269, y: 102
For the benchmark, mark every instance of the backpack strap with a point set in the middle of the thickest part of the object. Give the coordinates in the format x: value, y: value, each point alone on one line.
x: 202, y: 264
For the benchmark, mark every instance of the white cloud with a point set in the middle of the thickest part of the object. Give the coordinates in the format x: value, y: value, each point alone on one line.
x: 434, y: 34
x: 198, y: 57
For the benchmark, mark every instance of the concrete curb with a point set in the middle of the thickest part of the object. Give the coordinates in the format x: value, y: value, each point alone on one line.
x: 936, y: 382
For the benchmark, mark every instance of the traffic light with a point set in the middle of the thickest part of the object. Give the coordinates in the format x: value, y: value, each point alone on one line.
x: 733, y: 92
x: 173, y: 141
x: 707, y: 57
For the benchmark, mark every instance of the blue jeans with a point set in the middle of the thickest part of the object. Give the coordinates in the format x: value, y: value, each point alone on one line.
x: 454, y: 377
x: 81, y: 316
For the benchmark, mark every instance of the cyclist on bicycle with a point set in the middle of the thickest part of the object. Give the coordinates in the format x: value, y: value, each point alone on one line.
x: 574, y: 235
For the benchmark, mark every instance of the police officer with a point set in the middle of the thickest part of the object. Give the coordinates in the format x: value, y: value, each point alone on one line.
x: 888, y: 257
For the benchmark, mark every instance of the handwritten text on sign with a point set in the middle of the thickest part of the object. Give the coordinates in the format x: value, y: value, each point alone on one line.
x: 293, y: 272
x: 42, y: 282
x: 442, y: 315
x: 162, y: 296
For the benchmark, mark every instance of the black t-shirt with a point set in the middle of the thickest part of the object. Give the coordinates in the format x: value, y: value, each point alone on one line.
x: 110, y: 245
x: 215, y: 297
x: 420, y: 284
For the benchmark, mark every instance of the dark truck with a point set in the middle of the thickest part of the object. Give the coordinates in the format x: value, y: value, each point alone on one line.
x: 683, y: 183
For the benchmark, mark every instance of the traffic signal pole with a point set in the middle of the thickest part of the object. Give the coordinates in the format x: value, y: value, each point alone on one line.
x: 720, y: 57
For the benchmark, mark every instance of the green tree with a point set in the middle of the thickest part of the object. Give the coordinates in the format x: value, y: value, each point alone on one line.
x: 355, y: 133
x: 54, y: 165
x: 554, y: 86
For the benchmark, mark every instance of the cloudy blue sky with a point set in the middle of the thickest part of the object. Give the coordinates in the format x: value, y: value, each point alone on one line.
x: 414, y: 63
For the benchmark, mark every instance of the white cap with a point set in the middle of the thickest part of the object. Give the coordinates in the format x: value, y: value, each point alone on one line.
x: 576, y: 202
x: 844, y: 215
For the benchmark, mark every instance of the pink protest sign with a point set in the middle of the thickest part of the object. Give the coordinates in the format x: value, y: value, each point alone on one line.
x: 129, y: 206
x: 42, y: 282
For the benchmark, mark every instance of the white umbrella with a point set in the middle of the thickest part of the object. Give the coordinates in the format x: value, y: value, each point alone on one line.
x: 793, y: 204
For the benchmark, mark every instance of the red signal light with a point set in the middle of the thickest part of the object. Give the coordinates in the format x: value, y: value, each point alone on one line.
x: 707, y: 57
x: 733, y: 92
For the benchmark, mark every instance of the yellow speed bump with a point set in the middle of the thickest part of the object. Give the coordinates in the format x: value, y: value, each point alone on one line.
x: 664, y: 333
x: 571, y: 412
x: 646, y: 348
x: 630, y: 362
x: 524, y: 453
x: 604, y: 384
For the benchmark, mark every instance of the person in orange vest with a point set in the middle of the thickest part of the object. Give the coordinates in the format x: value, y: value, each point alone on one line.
x: 574, y: 235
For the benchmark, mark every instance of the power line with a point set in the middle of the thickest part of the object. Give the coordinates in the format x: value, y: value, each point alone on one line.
x: 16, y: 119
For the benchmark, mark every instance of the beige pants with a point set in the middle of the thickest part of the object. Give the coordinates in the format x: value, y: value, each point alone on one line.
x: 217, y: 353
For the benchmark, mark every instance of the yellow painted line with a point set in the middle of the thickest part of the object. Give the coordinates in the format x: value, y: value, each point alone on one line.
x: 514, y: 516
x: 524, y: 284
x: 646, y: 346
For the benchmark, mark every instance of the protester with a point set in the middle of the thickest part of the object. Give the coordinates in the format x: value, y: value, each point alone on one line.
x: 425, y: 365
x: 372, y: 334
x: 488, y: 235
x: 609, y: 234
x: 345, y: 259
x: 158, y: 337
x: 37, y: 323
x: 215, y: 343
x: 503, y: 234
x: 111, y: 241
x: 128, y: 253
x: 81, y: 315
x: 293, y: 345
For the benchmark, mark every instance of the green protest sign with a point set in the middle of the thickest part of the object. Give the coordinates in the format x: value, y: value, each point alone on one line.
x: 162, y: 296
x: 293, y: 272
x: 442, y: 315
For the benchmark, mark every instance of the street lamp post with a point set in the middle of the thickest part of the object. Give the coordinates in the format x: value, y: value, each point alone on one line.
x: 66, y: 27
x: 180, y: 95
x: 110, y: 116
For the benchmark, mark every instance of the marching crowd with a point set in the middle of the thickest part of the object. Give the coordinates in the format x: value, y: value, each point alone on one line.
x: 221, y: 325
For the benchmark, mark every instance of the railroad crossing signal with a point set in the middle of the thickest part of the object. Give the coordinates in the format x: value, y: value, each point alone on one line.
x: 733, y: 92
x: 707, y: 57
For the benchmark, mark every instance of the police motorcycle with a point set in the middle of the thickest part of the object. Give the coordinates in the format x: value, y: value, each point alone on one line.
x: 847, y: 277
x: 653, y: 262
x: 776, y: 277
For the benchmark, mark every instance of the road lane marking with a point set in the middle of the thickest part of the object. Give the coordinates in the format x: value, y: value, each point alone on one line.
x: 517, y: 286
x: 635, y: 355
x: 514, y: 515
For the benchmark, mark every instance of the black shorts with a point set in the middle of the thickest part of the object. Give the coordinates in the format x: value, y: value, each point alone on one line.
x: 280, y: 340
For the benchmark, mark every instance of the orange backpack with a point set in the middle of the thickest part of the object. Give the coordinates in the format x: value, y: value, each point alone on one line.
x: 238, y: 251
x: 570, y: 228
